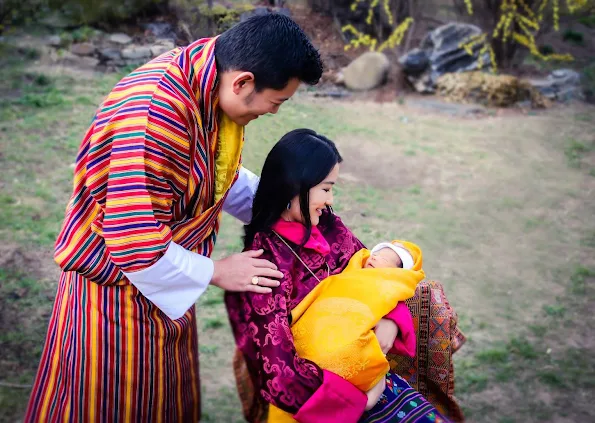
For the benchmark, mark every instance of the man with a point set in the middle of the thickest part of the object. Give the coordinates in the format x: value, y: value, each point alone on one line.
x: 156, y: 168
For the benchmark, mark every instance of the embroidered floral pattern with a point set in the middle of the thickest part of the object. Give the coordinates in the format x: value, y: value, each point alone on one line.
x: 261, y: 322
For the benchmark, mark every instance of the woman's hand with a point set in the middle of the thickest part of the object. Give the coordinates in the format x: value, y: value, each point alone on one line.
x: 386, y: 332
x: 375, y: 393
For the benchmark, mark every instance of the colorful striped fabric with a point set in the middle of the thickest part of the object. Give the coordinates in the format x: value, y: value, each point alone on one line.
x: 400, y: 403
x: 144, y: 173
x: 111, y: 356
x: 144, y: 176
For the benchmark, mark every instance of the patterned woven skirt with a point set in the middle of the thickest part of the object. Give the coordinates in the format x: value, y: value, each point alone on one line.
x: 400, y: 403
x: 111, y: 356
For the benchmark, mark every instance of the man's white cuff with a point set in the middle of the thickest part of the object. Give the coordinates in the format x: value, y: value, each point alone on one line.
x: 241, y: 195
x: 175, y: 281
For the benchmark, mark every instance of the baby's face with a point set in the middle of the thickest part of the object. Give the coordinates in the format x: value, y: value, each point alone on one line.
x: 383, y: 259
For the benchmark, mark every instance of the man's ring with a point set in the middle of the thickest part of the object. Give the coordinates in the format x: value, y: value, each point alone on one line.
x: 255, y: 280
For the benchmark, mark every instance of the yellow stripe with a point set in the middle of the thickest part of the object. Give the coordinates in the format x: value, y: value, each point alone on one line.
x: 160, y: 347
x: 116, y: 241
x: 92, y: 294
x: 79, y: 176
x: 124, y: 124
x: 142, y: 161
x: 184, y: 142
x: 129, y: 382
x: 82, y: 230
x: 176, y: 71
x: 94, y: 177
x: 127, y: 161
x: 193, y: 375
x: 182, y: 231
x: 66, y: 416
x: 178, y: 364
x: 182, y: 106
x: 153, y: 66
x: 146, y: 164
x: 138, y: 200
x: 115, y: 96
x: 49, y: 391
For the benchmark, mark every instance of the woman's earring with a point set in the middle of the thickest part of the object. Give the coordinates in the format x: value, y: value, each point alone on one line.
x: 289, y: 205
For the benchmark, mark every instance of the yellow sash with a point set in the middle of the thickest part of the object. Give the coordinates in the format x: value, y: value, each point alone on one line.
x: 333, y: 325
x: 229, y: 152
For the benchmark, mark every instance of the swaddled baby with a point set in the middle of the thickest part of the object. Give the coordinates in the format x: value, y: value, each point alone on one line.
x: 334, y: 325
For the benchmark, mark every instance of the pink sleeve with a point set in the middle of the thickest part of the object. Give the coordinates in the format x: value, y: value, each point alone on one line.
x: 405, y: 343
x: 335, y: 401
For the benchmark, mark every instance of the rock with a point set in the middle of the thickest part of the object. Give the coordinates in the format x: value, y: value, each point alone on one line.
x: 161, y: 46
x: 54, y: 41
x: 560, y: 85
x: 161, y: 30
x: 415, y: 62
x: 440, y: 52
x: 367, y: 71
x: 120, y: 38
x: 89, y: 62
x: 67, y: 58
x: 83, y: 49
x: 115, y: 63
x: 333, y: 76
x: 108, y: 54
x: 136, y: 52
x: 132, y: 62
x: 489, y: 90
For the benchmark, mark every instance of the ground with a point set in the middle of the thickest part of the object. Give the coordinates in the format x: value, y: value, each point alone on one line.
x: 502, y: 205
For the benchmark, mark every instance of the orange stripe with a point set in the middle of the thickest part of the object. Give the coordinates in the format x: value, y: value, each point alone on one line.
x: 50, y: 384
x: 160, y: 335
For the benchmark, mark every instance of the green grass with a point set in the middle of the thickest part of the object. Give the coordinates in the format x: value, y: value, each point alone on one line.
x: 502, y: 208
x: 539, y: 362
x: 575, y: 150
x: 213, y: 323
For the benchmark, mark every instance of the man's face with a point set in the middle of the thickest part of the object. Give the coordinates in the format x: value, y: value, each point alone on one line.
x: 239, y: 100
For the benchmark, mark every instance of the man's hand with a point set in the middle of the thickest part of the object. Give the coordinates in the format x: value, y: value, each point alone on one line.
x: 375, y: 393
x: 235, y: 273
x: 386, y: 332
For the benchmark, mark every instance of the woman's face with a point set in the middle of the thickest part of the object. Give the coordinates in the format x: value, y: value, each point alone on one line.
x: 321, y: 196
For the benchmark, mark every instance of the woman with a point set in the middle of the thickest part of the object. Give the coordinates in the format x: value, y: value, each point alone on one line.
x: 294, y: 226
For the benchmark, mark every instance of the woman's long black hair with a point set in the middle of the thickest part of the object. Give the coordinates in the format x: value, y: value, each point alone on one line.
x: 298, y: 162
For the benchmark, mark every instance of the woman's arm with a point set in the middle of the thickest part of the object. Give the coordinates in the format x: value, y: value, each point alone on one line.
x: 402, y: 340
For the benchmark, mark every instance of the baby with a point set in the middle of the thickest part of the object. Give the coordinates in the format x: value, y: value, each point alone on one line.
x: 334, y: 325
x: 387, y: 255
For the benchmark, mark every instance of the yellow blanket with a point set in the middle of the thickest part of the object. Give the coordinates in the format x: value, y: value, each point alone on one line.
x: 333, y: 326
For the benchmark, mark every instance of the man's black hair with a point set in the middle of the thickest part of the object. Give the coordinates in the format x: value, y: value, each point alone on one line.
x: 273, y: 47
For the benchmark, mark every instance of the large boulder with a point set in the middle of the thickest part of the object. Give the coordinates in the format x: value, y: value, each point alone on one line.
x: 560, y: 85
x: 366, y: 72
x: 442, y: 52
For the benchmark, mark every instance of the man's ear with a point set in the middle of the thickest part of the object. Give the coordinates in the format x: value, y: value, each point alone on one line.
x: 242, y: 82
